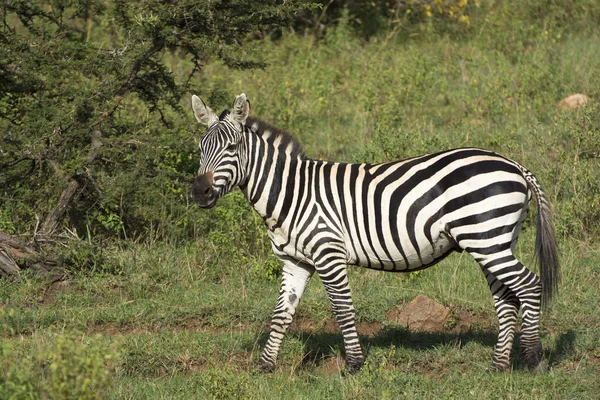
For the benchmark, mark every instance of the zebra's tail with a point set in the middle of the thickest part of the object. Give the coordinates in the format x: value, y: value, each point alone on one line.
x: 546, y: 248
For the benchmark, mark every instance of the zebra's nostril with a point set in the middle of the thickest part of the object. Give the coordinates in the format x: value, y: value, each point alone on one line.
x: 207, y: 192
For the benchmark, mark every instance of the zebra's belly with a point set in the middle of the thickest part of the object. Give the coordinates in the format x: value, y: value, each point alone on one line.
x: 407, y: 258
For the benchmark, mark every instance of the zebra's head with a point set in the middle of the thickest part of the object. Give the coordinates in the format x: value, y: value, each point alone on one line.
x: 223, y: 151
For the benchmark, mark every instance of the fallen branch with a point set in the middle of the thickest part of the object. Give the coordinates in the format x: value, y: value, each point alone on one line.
x: 15, y: 254
x: 8, y: 266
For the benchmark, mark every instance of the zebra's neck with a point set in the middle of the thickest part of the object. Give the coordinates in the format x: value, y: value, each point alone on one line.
x: 274, y: 161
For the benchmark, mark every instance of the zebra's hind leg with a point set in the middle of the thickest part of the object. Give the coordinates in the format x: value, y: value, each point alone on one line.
x: 527, y: 288
x: 531, y: 344
x: 507, y: 310
x: 293, y: 282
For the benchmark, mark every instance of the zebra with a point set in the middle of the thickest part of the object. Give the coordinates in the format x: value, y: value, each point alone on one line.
x: 397, y: 216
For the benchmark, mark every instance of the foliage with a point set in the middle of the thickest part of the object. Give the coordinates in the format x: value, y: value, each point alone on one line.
x: 86, y: 254
x: 350, y: 101
x: 426, y: 18
x: 103, y: 108
x: 184, y: 334
x: 78, y: 370
x: 372, y: 18
x: 575, y: 175
x: 239, y: 234
x: 17, y: 378
x: 69, y: 368
x: 193, y: 313
x: 228, y: 383
x: 89, y: 99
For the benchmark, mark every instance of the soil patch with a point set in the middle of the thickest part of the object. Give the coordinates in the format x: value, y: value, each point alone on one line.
x: 332, y: 366
x: 421, y: 314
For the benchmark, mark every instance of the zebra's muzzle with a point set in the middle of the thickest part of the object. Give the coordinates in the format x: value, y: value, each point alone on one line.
x: 203, y: 192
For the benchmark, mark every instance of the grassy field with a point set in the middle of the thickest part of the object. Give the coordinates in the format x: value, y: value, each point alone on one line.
x: 188, y: 320
x: 185, y: 326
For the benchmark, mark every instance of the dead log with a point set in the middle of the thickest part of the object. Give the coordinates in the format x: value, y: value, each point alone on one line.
x: 15, y: 255
x: 15, y: 243
x: 8, y: 266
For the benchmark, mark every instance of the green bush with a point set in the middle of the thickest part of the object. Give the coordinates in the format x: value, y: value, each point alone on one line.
x: 89, y: 254
x: 17, y: 378
x: 510, y: 23
x: 79, y: 370
x: 94, y: 132
x: 67, y: 368
x: 240, y: 235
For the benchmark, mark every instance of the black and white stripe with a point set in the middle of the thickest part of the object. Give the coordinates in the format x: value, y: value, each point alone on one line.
x: 397, y: 216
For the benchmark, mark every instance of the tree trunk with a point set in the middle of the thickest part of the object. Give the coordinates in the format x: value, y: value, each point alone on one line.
x: 53, y: 218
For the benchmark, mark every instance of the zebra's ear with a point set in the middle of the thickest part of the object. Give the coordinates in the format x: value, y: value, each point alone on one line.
x: 241, y: 108
x: 202, y: 112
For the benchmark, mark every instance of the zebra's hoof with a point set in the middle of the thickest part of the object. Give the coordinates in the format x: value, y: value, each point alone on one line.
x: 266, y: 368
x: 499, y: 367
x: 532, y: 355
x: 354, y: 366
x: 541, y: 368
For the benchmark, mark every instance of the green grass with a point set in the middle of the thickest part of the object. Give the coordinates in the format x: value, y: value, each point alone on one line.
x: 188, y: 320
x: 183, y: 330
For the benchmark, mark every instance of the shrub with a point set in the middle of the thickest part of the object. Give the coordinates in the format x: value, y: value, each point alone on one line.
x: 90, y: 108
x: 17, y: 379
x: 68, y: 368
x: 240, y: 235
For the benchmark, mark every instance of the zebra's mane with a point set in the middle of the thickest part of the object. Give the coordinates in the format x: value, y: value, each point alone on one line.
x: 271, y: 133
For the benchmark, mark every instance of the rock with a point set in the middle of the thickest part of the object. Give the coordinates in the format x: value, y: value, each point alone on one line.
x: 422, y: 314
x: 572, y: 102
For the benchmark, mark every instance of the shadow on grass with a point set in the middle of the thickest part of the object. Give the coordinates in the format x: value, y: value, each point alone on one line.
x: 320, y: 346
x: 565, y: 346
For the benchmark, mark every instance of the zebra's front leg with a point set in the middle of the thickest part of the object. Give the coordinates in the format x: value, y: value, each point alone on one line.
x: 293, y: 282
x: 335, y: 278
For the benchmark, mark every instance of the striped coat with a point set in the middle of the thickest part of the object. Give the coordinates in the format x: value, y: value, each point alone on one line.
x: 396, y: 216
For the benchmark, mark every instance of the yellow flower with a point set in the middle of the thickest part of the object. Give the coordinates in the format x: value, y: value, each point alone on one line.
x: 428, y: 10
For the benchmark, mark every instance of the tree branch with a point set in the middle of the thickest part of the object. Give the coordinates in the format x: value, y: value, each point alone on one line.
x: 53, y: 218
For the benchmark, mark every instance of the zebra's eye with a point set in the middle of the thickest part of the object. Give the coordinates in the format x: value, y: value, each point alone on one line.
x: 231, y: 146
